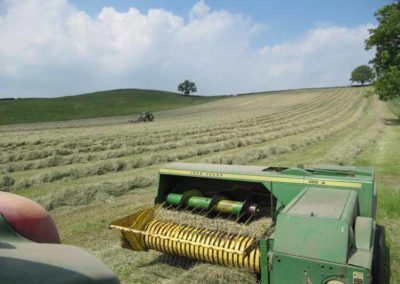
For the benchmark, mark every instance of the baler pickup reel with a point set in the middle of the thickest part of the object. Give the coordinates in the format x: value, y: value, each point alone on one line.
x: 142, y: 231
x: 316, y: 223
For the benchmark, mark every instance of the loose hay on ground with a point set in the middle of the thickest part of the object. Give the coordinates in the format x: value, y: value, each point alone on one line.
x: 257, y: 227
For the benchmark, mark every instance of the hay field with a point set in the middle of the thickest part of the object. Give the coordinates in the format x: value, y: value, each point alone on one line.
x: 92, y: 173
x: 91, y: 105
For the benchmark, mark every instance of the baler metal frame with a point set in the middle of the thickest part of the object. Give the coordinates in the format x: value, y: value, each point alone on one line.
x: 323, y: 220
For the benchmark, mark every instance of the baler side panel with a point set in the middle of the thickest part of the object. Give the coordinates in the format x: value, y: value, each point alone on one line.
x: 293, y: 269
x: 317, y: 224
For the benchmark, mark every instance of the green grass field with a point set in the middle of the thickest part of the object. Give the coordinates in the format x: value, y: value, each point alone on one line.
x: 384, y: 155
x: 394, y: 106
x: 99, y: 104
x: 89, y: 175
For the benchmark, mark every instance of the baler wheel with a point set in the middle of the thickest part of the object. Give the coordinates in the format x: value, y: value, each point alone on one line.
x: 378, y: 264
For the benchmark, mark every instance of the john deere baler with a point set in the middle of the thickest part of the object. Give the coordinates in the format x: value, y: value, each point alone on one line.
x: 288, y: 225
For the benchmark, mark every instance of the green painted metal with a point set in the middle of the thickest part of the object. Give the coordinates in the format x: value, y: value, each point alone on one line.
x: 296, y: 172
x: 276, y: 180
x: 199, y: 202
x: 187, y: 194
x: 363, y: 257
x: 174, y: 199
x: 228, y: 206
x: 292, y: 269
x: 264, y: 261
x: 363, y: 232
x: 315, y: 210
x: 317, y: 225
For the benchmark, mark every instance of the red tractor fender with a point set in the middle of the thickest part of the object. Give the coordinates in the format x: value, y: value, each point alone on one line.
x: 28, y: 218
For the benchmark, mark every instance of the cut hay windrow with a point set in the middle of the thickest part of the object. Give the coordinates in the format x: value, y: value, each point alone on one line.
x: 246, y: 157
x: 68, y: 148
x: 60, y: 157
x: 65, y: 160
x: 300, y: 107
x: 86, y: 194
x: 345, y: 154
x: 121, y: 165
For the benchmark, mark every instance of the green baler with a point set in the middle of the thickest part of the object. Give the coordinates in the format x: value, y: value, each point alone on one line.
x: 322, y: 227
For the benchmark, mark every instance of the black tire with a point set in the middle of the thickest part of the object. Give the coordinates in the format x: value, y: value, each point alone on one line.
x: 378, y: 263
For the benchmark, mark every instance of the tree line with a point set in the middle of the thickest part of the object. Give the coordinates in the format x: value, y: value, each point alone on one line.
x: 385, y: 39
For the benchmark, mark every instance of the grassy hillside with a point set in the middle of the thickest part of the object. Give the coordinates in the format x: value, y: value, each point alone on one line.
x: 99, y: 104
x: 394, y: 106
x: 385, y: 157
x: 88, y: 177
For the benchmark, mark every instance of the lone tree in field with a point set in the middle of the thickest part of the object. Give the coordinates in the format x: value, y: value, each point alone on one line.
x: 362, y: 74
x: 187, y: 87
x: 385, y: 38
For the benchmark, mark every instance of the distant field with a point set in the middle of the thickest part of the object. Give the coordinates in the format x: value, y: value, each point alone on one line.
x: 89, y: 175
x: 99, y: 104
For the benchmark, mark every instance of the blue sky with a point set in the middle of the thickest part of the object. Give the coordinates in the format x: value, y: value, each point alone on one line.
x: 283, y: 20
x: 65, y: 47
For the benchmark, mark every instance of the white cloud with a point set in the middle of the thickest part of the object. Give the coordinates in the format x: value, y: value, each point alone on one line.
x: 50, y: 48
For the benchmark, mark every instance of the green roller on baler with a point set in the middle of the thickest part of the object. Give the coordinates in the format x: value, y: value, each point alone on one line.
x: 322, y: 227
x: 195, y: 199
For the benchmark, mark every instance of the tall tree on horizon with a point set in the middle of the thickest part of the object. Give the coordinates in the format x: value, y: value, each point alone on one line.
x: 187, y: 87
x: 362, y: 74
x: 385, y: 38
